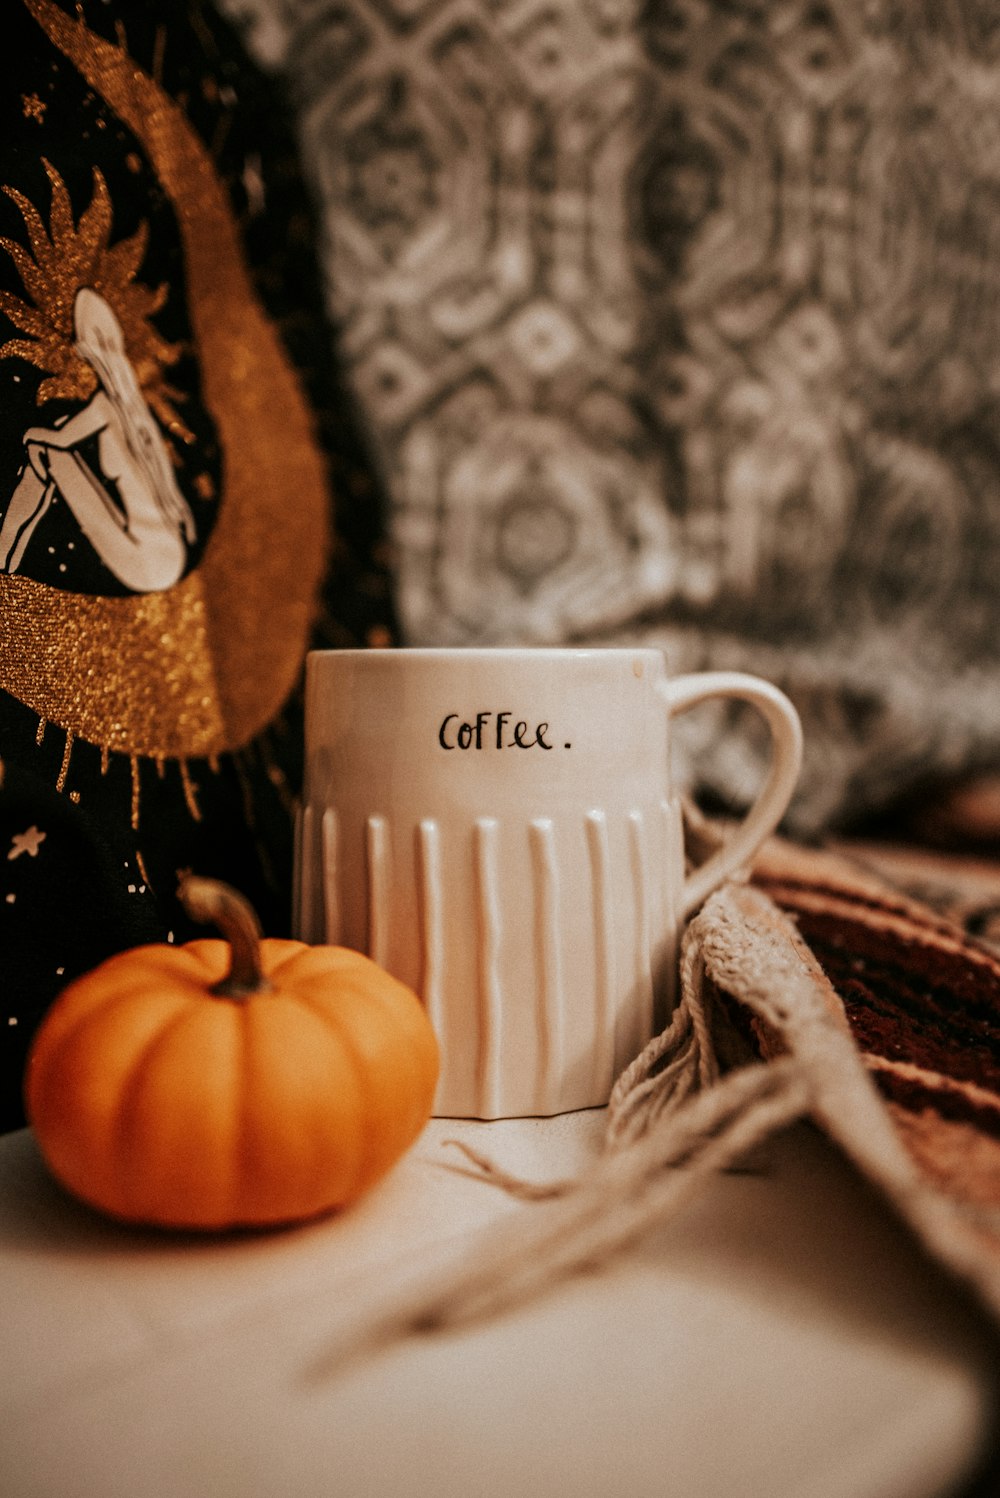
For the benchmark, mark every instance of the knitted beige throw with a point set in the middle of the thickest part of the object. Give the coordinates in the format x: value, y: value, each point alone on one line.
x: 816, y: 991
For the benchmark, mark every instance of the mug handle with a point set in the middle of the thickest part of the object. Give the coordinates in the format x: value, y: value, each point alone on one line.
x: 767, y: 811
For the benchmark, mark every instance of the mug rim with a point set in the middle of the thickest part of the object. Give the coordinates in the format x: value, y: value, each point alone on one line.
x: 485, y: 652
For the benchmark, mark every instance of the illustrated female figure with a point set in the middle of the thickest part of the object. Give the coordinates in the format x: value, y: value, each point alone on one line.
x: 130, y: 508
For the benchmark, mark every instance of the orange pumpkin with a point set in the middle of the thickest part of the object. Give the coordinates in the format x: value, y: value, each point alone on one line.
x: 229, y: 1083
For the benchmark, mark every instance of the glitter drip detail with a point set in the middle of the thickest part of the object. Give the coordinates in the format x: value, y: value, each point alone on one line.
x: 64, y: 768
x: 136, y: 790
x: 189, y: 786
x: 190, y: 791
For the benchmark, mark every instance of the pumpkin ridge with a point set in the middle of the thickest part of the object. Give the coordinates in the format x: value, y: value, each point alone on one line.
x: 346, y: 1040
x: 353, y: 982
x: 77, y: 1023
x: 131, y: 1088
x: 287, y: 959
x: 131, y: 984
x: 240, y: 1155
x: 160, y: 960
x: 195, y: 954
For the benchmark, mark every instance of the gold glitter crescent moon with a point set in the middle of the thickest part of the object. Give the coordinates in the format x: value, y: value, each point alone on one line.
x: 203, y: 666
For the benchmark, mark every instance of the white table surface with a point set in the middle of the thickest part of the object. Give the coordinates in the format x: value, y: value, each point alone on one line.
x: 783, y: 1339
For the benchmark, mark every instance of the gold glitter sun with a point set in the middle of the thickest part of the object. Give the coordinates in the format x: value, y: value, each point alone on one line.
x: 65, y: 258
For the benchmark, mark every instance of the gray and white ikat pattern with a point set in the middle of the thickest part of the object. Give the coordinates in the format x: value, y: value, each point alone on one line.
x: 679, y: 322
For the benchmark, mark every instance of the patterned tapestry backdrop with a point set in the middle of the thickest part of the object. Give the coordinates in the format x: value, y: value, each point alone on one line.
x: 678, y: 322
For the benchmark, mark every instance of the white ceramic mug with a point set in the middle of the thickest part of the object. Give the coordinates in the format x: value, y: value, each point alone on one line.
x: 497, y: 828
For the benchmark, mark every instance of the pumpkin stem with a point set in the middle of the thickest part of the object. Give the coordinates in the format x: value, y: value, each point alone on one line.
x: 211, y: 902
